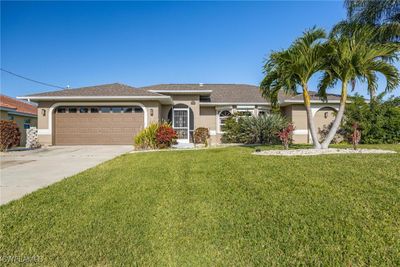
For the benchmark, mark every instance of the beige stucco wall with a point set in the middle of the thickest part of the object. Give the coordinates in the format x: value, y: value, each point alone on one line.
x: 298, y: 115
x: 324, y: 117
x: 207, y: 118
x: 153, y: 110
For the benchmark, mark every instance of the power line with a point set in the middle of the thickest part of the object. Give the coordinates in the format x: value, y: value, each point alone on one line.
x: 29, y: 79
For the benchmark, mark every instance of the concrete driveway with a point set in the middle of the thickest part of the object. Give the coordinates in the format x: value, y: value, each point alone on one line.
x: 23, y: 172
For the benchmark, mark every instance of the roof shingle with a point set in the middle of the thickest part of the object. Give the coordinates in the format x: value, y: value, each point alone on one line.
x: 17, y: 105
x: 221, y: 93
x: 114, y: 89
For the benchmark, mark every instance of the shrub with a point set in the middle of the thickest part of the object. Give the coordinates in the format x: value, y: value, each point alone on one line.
x: 165, y: 136
x: 201, y: 135
x: 155, y: 136
x: 379, y: 120
x: 231, y: 131
x: 10, y: 135
x: 286, y: 135
x: 339, y: 137
x: 146, y: 138
x: 253, y: 130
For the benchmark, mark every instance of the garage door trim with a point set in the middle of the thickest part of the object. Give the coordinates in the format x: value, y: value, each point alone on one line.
x: 50, y: 130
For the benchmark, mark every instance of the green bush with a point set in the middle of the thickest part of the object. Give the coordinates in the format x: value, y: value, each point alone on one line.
x: 155, y: 136
x: 254, y: 130
x: 379, y: 121
x: 146, y: 138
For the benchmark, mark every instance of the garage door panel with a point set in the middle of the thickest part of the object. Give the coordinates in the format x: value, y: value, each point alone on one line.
x: 97, y: 128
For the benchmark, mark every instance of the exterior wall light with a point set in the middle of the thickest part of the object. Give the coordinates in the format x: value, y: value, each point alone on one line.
x: 151, y: 112
x: 43, y: 112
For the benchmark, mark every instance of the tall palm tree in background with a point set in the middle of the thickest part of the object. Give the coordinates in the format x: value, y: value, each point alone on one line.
x: 355, y: 57
x: 288, y: 69
x: 379, y: 34
x: 373, y: 11
x: 383, y: 16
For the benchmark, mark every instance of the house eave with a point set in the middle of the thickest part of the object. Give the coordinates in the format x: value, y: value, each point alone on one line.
x: 18, y: 113
x: 291, y: 102
x: 212, y: 104
x: 182, y: 92
x: 161, y: 99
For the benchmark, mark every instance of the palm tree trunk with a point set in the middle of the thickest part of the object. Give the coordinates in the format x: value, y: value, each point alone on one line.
x: 310, y: 120
x: 338, y: 119
x: 372, y: 95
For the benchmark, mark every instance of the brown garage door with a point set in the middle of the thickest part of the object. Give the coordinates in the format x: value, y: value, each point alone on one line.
x: 97, y: 125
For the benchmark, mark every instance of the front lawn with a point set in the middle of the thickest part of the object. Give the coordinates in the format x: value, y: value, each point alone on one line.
x: 214, y: 207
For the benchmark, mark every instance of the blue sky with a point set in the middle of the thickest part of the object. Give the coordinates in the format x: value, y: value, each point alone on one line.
x: 144, y: 43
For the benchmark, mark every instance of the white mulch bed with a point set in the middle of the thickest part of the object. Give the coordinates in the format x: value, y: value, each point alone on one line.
x: 313, y: 152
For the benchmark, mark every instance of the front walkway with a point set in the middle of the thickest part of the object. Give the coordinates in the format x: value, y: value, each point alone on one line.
x: 23, y: 172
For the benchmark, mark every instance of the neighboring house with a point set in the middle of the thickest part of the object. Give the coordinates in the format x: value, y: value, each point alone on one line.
x: 114, y: 113
x: 24, y: 114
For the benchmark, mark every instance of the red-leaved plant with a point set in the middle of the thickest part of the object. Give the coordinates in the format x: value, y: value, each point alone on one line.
x: 10, y: 135
x: 165, y: 136
x: 286, y: 134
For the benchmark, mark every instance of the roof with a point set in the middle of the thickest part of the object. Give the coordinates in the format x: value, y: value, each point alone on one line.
x: 220, y: 93
x: 234, y: 93
x: 299, y: 97
x: 113, y: 89
x: 17, y: 105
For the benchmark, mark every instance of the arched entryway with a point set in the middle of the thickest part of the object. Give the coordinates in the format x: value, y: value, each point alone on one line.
x: 323, y: 118
x: 182, y: 119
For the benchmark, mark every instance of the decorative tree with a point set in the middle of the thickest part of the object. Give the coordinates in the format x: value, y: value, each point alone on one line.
x: 286, y: 135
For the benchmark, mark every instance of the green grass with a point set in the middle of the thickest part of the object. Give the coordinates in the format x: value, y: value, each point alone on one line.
x: 218, y: 207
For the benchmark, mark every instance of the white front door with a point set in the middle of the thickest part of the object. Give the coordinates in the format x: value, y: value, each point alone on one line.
x: 180, y: 123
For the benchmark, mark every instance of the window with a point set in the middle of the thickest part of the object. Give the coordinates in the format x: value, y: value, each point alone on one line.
x: 244, y: 113
x: 27, y: 121
x: 94, y: 110
x: 138, y: 110
x: 116, y: 109
x: 72, y: 110
x: 83, y: 110
x: 105, y: 109
x: 205, y: 98
x: 10, y: 117
x: 223, y: 116
x: 61, y: 110
x: 128, y: 110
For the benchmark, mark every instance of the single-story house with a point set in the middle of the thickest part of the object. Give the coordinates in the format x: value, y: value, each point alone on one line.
x: 115, y: 113
x: 24, y: 114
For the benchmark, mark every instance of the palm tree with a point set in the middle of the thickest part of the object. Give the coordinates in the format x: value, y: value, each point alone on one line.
x: 373, y: 11
x: 385, y: 33
x: 288, y: 69
x: 355, y: 57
